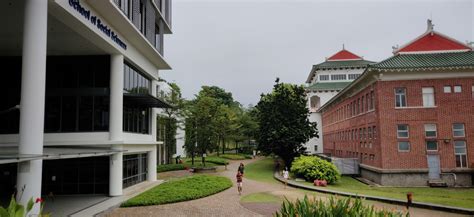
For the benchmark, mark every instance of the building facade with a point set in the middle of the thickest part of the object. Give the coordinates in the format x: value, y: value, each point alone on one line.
x: 324, y: 81
x: 409, y: 119
x: 78, y: 95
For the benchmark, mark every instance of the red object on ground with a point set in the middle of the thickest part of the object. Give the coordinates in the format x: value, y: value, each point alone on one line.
x: 322, y: 183
x: 39, y: 200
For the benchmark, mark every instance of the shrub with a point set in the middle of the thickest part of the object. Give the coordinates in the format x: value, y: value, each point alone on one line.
x: 190, y: 188
x: 169, y: 167
x: 312, y: 168
x: 333, y: 207
x: 217, y: 160
x: 233, y: 156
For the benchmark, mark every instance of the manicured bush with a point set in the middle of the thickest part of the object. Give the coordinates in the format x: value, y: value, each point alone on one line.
x: 333, y: 207
x: 190, y: 188
x: 232, y: 156
x: 217, y: 160
x: 312, y: 168
x: 213, y: 160
x: 169, y: 167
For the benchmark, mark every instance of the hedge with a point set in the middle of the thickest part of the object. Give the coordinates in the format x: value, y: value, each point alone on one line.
x: 189, y: 188
x: 169, y: 167
x: 313, y: 168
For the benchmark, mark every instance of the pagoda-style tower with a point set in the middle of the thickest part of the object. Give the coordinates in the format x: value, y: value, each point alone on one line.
x: 324, y: 81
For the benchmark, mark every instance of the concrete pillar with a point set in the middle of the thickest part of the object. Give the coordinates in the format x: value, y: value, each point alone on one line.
x: 116, y: 123
x: 152, y: 165
x: 154, y: 111
x: 116, y: 173
x: 33, y: 84
x: 116, y: 98
x: 159, y: 154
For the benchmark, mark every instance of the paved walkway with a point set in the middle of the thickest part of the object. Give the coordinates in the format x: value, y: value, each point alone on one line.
x: 227, y: 203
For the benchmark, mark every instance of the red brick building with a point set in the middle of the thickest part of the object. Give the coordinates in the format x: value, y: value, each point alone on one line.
x: 409, y: 119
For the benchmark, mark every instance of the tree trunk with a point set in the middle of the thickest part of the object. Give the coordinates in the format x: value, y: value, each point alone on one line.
x: 217, y: 146
x: 223, y: 145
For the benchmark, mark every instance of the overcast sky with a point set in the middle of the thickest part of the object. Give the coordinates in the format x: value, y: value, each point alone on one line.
x: 242, y: 46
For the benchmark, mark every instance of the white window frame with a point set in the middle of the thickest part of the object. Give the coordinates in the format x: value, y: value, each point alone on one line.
x: 403, y: 131
x: 426, y: 144
x: 463, y: 130
x: 457, y: 88
x: 447, y: 89
x: 431, y: 128
x: 428, y: 96
x: 403, y: 150
x: 401, y: 96
x: 456, y: 146
x: 324, y: 76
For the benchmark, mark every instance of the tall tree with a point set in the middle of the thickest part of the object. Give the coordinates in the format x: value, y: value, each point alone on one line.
x: 174, y: 116
x: 283, y: 122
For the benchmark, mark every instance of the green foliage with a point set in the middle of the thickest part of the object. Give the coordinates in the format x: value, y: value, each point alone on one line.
x: 235, y: 156
x: 312, y: 168
x: 334, y: 207
x: 169, y: 167
x: 15, y: 209
x: 190, y: 188
x: 217, y: 160
x: 283, y: 122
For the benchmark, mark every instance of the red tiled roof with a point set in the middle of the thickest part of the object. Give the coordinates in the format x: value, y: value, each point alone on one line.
x: 344, y: 55
x: 433, y: 41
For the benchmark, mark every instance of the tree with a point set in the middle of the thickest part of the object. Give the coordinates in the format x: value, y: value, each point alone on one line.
x: 283, y: 122
x: 173, y: 118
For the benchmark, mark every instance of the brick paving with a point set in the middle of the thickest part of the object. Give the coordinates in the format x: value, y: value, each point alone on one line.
x: 227, y: 203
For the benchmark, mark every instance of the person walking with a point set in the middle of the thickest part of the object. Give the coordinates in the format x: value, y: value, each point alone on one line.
x: 286, y: 176
x: 241, y: 168
x: 239, y: 182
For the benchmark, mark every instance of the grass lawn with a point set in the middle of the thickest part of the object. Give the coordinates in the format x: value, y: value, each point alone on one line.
x: 459, y: 197
x: 261, y: 197
x: 261, y: 170
x: 184, y: 189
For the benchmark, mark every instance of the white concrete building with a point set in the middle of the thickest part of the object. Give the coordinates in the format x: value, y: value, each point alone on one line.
x: 86, y: 72
x: 324, y: 81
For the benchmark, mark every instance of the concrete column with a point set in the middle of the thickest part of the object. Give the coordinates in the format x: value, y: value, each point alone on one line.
x: 33, y: 83
x: 153, y: 111
x: 159, y: 153
x: 116, y: 123
x: 116, y: 98
x: 152, y: 165
x: 116, y: 173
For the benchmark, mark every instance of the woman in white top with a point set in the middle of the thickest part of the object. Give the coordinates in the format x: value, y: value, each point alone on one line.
x: 286, y: 176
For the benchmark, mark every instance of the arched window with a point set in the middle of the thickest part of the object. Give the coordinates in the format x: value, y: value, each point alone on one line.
x: 315, y: 102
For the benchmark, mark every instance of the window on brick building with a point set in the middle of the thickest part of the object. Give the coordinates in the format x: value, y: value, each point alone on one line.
x: 358, y: 106
x: 400, y: 97
x: 431, y: 146
x: 447, y: 89
x: 428, y: 96
x: 362, y: 105
x: 460, y: 152
x: 372, y: 99
x: 370, y: 132
x: 457, y: 88
x: 458, y: 130
x: 403, y: 146
x: 374, y: 132
x: 402, y: 131
x: 473, y: 91
x: 430, y: 130
x: 368, y: 101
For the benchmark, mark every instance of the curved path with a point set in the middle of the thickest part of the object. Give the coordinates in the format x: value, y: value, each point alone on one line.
x: 227, y: 203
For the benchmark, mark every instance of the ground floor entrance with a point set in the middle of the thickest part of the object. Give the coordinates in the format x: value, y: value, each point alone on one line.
x: 88, y: 175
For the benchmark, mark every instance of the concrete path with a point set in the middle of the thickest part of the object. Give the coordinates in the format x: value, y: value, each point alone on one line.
x: 227, y: 203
